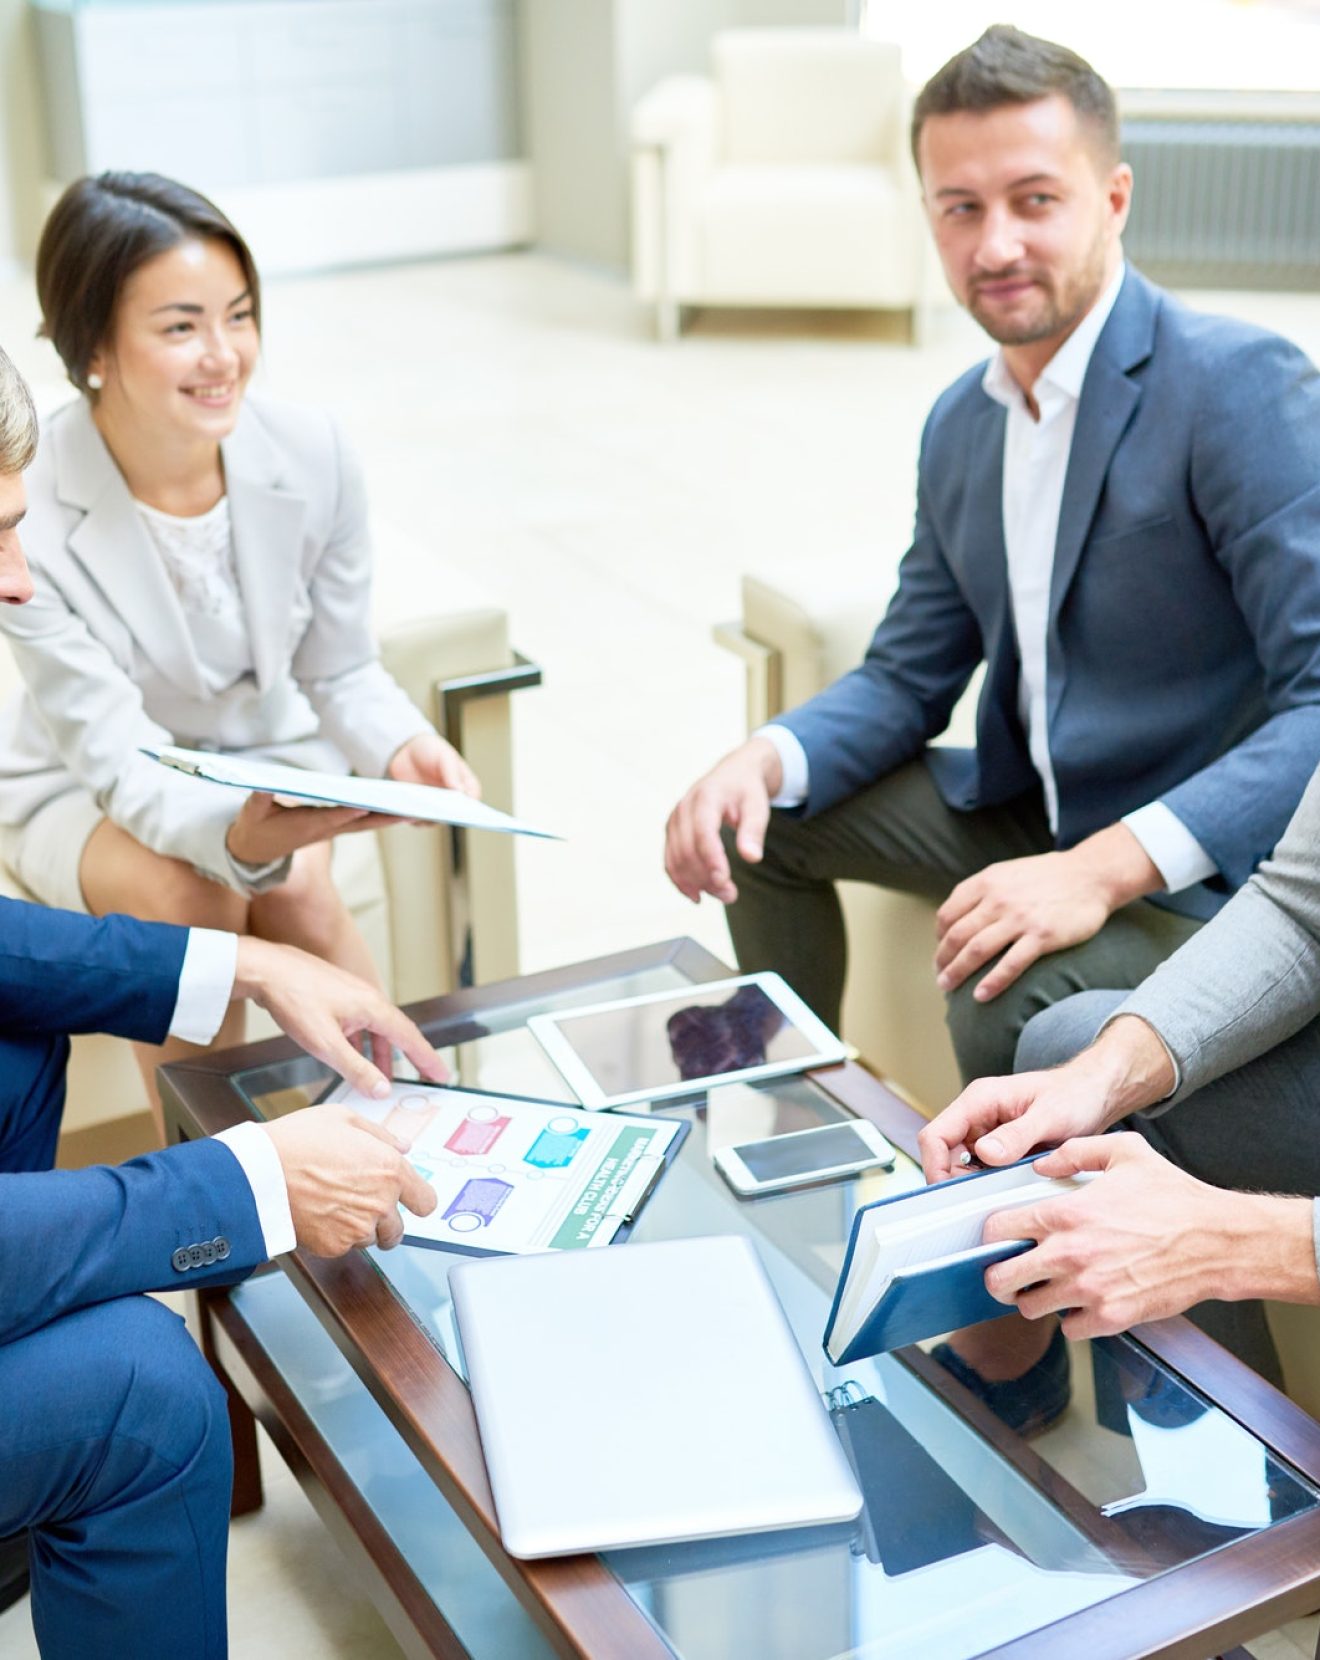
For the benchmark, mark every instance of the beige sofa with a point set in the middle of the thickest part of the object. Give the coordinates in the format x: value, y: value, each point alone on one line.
x: 433, y: 906
x: 795, y: 636
x: 783, y: 179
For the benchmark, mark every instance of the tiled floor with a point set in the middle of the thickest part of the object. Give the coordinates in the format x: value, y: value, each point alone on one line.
x: 525, y: 441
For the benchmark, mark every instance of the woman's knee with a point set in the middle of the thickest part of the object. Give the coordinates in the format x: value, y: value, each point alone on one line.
x: 305, y: 909
x: 118, y: 873
x: 1063, y: 1030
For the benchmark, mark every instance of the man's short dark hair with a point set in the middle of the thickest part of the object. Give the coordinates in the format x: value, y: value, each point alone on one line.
x: 1007, y: 66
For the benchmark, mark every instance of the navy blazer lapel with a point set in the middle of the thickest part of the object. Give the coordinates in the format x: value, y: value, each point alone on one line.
x: 113, y: 546
x: 1108, y: 402
x: 267, y: 519
x: 985, y: 574
x: 1000, y: 747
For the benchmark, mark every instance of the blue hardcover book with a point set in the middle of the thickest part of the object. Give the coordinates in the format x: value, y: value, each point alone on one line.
x: 916, y: 1266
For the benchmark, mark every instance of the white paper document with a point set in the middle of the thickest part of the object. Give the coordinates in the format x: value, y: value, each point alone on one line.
x: 513, y: 1175
x: 375, y: 795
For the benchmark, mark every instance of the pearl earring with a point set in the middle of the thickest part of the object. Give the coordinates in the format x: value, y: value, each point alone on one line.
x: 94, y: 383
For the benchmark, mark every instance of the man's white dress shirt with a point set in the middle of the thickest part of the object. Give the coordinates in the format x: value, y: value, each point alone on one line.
x: 206, y: 985
x: 1036, y: 452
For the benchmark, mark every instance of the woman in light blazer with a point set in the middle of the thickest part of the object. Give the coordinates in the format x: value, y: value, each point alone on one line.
x: 202, y: 575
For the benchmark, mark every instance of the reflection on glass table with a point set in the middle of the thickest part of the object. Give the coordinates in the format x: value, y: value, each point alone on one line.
x: 970, y: 1538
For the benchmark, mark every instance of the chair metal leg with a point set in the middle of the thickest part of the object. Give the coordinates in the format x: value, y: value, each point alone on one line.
x: 668, y: 312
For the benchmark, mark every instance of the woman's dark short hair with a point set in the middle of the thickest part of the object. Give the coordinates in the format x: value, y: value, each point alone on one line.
x: 98, y: 233
x: 1007, y: 66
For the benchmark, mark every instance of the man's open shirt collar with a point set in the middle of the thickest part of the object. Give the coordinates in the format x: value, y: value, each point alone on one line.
x: 1060, y: 381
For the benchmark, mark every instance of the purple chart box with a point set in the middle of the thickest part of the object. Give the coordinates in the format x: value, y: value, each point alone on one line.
x: 477, y: 1204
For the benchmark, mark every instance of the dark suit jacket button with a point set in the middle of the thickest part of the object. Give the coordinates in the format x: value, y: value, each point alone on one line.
x: 221, y: 1248
x: 195, y: 1257
x: 180, y: 1261
x: 208, y: 1253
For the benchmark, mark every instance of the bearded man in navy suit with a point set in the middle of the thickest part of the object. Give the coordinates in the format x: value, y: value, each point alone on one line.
x: 1119, y: 516
x: 115, y: 1461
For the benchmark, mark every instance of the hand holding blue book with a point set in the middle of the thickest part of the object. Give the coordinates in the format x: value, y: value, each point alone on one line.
x: 916, y: 1266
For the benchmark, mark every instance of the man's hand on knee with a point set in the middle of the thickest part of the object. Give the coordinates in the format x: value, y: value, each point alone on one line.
x: 736, y: 792
x: 1022, y: 909
x: 346, y: 1179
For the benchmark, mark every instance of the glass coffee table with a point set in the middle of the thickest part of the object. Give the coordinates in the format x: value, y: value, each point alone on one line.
x: 1174, y: 1510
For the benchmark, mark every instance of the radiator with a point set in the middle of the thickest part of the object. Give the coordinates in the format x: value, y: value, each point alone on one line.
x: 1225, y: 203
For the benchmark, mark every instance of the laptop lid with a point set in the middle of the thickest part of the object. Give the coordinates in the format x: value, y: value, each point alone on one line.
x: 642, y: 1395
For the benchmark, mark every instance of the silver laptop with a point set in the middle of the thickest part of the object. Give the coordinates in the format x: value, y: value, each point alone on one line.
x: 643, y: 1394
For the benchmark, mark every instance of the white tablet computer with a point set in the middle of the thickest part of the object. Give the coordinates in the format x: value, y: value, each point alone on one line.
x: 672, y: 1043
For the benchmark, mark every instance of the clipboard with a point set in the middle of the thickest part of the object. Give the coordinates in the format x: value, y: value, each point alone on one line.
x: 423, y: 802
x: 914, y: 1512
x: 517, y: 1175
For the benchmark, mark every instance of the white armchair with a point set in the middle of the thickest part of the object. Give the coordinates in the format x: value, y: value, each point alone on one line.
x: 784, y: 180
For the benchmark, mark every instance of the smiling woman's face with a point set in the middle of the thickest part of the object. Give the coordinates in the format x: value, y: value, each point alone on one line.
x: 183, y: 345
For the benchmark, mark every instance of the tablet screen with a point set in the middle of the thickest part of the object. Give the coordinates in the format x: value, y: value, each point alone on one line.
x: 700, y: 1032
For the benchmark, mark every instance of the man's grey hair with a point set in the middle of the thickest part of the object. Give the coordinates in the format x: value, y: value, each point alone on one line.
x: 18, y: 419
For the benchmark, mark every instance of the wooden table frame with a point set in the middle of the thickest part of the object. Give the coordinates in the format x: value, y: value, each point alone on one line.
x: 1188, y: 1612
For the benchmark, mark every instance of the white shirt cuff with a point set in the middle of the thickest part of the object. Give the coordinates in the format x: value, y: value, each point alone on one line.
x: 793, y: 759
x: 260, y: 878
x: 255, y: 1152
x: 1173, y: 849
x: 206, y: 984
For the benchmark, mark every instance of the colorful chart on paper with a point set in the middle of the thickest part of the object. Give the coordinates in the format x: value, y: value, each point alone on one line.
x: 518, y: 1176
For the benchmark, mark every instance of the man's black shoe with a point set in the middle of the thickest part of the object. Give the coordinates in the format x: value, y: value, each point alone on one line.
x: 13, y: 1569
x: 1030, y: 1404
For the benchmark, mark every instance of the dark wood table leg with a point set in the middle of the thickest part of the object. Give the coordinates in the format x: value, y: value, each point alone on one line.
x: 242, y: 1425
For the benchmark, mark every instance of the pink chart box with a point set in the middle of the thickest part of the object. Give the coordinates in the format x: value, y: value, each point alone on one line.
x: 477, y: 1135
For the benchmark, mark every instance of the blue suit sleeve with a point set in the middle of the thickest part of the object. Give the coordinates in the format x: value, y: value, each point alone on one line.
x: 918, y: 664
x: 70, y: 1238
x: 61, y: 972
x: 1255, y: 477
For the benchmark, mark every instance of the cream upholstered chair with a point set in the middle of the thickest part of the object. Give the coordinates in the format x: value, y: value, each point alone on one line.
x: 795, y: 637
x: 436, y: 909
x: 783, y: 180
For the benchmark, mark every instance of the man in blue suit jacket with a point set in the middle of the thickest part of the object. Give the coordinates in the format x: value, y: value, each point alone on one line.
x: 114, y: 1434
x: 1120, y: 517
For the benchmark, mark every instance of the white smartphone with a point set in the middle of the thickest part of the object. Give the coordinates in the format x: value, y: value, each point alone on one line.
x: 815, y: 1155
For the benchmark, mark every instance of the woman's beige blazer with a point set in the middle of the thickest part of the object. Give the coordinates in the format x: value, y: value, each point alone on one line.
x: 109, y: 664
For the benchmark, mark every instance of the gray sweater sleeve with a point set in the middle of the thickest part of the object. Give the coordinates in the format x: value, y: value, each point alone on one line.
x: 1251, y: 977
